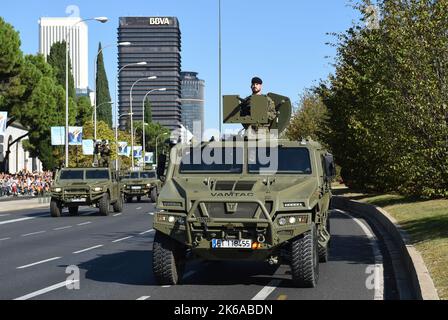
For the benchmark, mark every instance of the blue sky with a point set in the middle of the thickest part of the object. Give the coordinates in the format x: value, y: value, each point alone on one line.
x: 282, y: 41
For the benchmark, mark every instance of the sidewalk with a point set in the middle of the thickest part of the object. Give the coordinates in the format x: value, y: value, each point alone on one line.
x: 20, y: 204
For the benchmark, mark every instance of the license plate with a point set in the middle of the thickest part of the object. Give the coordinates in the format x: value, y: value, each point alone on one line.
x: 79, y: 200
x: 136, y: 188
x: 219, y: 243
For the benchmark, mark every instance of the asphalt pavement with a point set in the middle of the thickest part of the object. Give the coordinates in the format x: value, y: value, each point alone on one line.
x: 111, y: 256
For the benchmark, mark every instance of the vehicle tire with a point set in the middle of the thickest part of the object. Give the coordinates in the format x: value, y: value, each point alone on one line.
x: 73, y: 211
x: 128, y: 199
x: 118, y: 206
x: 139, y: 198
x: 104, y: 205
x: 168, y: 259
x: 304, y: 260
x: 324, y: 251
x: 55, y: 208
x: 153, y: 195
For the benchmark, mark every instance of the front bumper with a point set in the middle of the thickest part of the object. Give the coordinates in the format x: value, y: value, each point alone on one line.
x: 199, y: 227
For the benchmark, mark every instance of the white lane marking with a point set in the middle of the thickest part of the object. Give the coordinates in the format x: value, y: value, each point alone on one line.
x: 267, y: 290
x: 122, y: 239
x: 166, y: 286
x: 378, y: 267
x: 3, y: 239
x: 150, y: 213
x: 33, y: 233
x: 88, y: 249
x: 62, y: 228
x: 39, y: 262
x: 145, y: 232
x: 118, y: 214
x: 48, y: 289
x: 5, y: 215
x: 16, y: 220
x: 84, y: 223
x: 139, y: 208
x: 144, y: 298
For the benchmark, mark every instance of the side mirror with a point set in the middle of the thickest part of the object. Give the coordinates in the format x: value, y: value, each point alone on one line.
x: 161, y: 165
x: 330, y: 168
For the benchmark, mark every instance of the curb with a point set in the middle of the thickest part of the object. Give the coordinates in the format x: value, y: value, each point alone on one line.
x: 422, y: 283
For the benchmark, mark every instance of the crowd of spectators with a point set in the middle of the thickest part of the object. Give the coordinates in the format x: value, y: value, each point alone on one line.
x: 25, y: 183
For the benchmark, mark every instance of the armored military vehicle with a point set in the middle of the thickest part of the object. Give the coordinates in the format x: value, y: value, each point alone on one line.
x: 139, y: 184
x: 75, y: 187
x: 251, y: 197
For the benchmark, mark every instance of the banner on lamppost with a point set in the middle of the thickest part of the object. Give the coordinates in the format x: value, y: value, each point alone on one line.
x: 3, y: 121
x: 123, y: 149
x: 138, y: 150
x: 149, y: 157
x: 75, y: 136
x: 87, y: 147
x: 57, y: 136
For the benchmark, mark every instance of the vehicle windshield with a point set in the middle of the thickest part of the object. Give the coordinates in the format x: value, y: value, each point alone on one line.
x: 72, y: 175
x: 147, y: 174
x: 279, y: 160
x: 199, y: 160
x: 133, y: 175
x: 97, y: 174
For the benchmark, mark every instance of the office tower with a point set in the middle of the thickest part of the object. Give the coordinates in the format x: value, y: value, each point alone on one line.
x: 192, y: 101
x: 157, y: 41
x: 53, y: 30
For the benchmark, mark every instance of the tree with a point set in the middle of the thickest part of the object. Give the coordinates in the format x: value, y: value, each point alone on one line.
x: 309, y: 120
x: 387, y: 100
x: 148, y: 111
x: 104, y: 112
x: 84, y: 110
x: 11, y: 60
x: 56, y: 59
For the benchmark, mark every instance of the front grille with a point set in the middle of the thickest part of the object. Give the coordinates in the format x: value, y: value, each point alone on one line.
x: 76, y: 190
x: 244, y: 185
x: 243, y: 211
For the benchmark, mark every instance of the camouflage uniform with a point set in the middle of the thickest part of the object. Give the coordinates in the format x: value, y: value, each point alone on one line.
x: 105, y: 155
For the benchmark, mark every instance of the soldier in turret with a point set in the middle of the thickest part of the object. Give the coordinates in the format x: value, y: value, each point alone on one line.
x: 257, y: 87
x: 105, y: 154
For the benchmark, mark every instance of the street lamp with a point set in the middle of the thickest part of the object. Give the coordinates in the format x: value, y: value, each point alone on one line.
x: 130, y: 110
x: 120, y: 44
x: 142, y: 63
x: 143, y: 109
x: 99, y: 19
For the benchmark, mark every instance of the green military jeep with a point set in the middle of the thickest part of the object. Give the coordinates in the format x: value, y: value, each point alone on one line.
x: 75, y: 187
x: 250, y: 197
x: 140, y: 183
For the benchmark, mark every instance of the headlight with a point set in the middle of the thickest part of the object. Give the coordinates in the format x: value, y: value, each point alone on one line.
x: 170, y: 218
x: 57, y: 189
x: 293, y: 204
x: 171, y: 204
x: 297, y: 219
x: 282, y: 221
x: 98, y: 189
x: 148, y: 185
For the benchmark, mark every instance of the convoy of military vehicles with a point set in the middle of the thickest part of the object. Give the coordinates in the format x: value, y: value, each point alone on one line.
x: 252, y: 196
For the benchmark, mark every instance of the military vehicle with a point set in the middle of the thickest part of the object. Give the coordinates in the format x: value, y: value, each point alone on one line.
x: 250, y: 197
x: 75, y: 187
x: 139, y: 184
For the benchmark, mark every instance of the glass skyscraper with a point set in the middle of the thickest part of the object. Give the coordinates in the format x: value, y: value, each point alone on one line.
x: 192, y: 102
x: 157, y: 41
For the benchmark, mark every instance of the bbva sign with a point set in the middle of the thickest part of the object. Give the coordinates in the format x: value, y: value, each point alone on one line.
x: 159, y: 21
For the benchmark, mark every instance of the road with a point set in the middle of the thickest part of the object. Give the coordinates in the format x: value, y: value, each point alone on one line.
x: 113, y: 255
